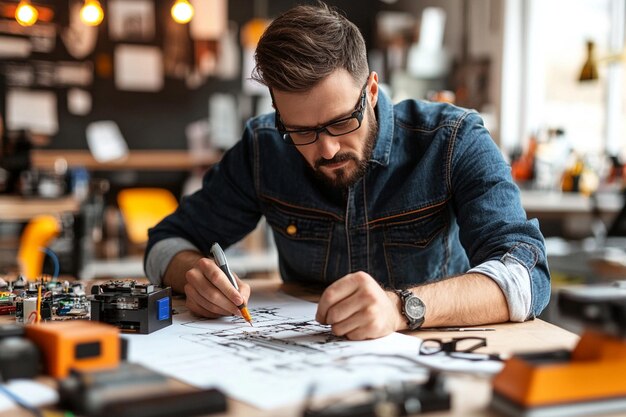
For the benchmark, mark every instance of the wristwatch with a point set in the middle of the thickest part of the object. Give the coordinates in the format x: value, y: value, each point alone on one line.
x: 413, y: 309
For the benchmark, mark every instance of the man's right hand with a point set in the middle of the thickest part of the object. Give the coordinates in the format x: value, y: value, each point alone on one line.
x: 208, y: 291
x: 210, y: 294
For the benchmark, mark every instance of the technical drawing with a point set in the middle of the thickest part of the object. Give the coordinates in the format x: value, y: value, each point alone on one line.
x: 279, y: 359
x: 261, y: 316
x: 273, y: 335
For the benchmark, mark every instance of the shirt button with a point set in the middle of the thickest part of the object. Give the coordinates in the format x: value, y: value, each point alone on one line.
x: 292, y: 229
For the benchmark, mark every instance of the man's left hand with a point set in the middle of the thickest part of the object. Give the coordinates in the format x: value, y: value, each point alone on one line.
x: 358, y: 308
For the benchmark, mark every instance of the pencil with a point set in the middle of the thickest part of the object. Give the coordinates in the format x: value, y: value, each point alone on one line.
x: 220, y: 260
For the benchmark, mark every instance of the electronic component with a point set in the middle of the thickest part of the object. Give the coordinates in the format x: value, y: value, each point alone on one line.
x: 58, y: 302
x: 7, y: 303
x: 76, y: 344
x: 19, y: 284
x: 134, y: 391
x: 140, y: 308
x: 26, y: 309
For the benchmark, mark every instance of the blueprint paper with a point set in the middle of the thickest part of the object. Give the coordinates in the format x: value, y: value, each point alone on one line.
x: 276, y: 362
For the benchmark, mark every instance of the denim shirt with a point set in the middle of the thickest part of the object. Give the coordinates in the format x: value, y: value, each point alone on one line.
x: 437, y: 200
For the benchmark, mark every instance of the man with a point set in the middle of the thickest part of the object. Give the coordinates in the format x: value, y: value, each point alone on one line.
x: 366, y: 197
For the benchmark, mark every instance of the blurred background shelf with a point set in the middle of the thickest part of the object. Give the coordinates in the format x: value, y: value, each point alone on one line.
x: 150, y: 160
x: 21, y: 209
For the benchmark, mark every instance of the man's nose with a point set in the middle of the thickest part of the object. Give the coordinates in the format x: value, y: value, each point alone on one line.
x: 328, y: 145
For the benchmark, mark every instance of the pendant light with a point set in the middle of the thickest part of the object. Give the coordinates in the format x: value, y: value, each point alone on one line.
x: 182, y: 11
x: 26, y: 14
x: 91, y: 13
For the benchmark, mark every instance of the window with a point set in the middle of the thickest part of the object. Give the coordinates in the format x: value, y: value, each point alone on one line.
x: 552, y: 38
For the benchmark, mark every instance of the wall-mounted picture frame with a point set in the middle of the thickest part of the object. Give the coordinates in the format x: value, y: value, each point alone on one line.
x: 131, y: 20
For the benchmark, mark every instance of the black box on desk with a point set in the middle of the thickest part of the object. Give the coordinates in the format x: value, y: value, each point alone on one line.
x: 132, y: 307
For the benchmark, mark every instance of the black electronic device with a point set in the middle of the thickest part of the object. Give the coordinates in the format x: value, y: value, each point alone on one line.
x: 11, y: 330
x: 133, y: 307
x: 402, y: 399
x: 133, y: 390
x: 19, y: 357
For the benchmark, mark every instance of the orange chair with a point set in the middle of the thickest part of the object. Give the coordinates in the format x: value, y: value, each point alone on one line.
x: 37, y: 234
x: 143, y: 208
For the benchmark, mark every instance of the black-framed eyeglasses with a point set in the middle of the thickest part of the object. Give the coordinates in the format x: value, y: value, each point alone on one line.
x: 339, y: 127
x: 456, y: 345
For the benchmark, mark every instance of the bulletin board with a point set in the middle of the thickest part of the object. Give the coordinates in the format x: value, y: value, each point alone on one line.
x: 137, y: 67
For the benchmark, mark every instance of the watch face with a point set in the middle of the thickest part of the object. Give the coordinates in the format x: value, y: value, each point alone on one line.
x: 414, y: 308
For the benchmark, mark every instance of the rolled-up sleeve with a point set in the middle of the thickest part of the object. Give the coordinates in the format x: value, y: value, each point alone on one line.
x: 161, y: 254
x: 514, y: 280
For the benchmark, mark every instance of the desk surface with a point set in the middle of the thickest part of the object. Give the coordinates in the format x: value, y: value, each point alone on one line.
x: 20, y: 209
x: 471, y: 394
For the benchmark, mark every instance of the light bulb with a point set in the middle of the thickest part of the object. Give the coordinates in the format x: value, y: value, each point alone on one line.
x: 26, y: 14
x: 182, y: 11
x: 91, y: 13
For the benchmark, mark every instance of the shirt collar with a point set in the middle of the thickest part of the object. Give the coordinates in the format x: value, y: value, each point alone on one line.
x: 384, y: 116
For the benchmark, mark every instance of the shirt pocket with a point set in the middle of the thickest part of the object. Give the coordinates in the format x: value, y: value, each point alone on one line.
x: 303, y: 241
x: 415, y: 246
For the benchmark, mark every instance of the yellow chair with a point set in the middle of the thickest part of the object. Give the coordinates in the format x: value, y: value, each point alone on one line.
x: 37, y: 234
x: 143, y: 208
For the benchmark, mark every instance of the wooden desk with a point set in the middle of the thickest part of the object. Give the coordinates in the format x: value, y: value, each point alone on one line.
x: 148, y: 160
x: 471, y: 394
x: 19, y: 209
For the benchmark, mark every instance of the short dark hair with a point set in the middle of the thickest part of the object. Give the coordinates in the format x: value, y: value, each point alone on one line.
x: 306, y: 44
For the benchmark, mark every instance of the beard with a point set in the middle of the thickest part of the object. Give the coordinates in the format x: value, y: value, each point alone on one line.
x: 344, y: 178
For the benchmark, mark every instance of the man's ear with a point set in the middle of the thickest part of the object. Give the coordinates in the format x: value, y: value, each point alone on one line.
x: 372, y: 89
